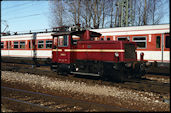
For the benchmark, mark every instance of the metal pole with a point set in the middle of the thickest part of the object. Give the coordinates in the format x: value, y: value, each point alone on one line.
x: 131, y: 13
x: 34, y: 49
x: 121, y: 14
x: 162, y: 47
x: 126, y: 16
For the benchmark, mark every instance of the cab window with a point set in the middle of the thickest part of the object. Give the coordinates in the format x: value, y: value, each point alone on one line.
x: 74, y: 39
x: 63, y: 41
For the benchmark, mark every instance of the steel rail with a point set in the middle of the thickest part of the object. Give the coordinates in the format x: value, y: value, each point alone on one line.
x: 85, y: 106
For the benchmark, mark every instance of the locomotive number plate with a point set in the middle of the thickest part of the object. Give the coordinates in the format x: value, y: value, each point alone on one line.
x: 62, y: 54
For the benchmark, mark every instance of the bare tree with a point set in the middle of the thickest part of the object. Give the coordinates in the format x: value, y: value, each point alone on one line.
x: 148, y: 12
x: 86, y: 14
x: 106, y: 13
x: 58, y: 11
x: 154, y: 11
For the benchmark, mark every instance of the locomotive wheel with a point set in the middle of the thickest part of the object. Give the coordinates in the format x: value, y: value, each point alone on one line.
x: 63, y: 73
x: 118, y: 76
x: 104, y: 78
x: 53, y: 67
x: 115, y: 76
x: 140, y: 74
x: 62, y: 69
x: 139, y: 71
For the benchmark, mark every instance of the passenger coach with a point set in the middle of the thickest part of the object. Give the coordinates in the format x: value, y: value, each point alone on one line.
x: 152, y: 40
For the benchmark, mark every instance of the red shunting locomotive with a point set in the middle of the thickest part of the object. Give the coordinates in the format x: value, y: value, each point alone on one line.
x: 78, y: 52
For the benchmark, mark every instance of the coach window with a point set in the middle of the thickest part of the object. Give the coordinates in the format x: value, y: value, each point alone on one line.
x: 48, y: 44
x: 15, y: 44
x: 158, y: 39
x: 63, y: 41
x: 123, y: 38
x: 2, y: 45
x: 167, y: 42
x: 22, y: 45
x: 141, y: 41
x: 40, y: 44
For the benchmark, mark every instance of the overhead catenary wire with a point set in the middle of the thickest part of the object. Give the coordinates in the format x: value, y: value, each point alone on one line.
x: 16, y: 15
x: 23, y: 16
x: 17, y: 7
x: 21, y: 9
x: 32, y: 30
x: 14, y: 6
x: 25, y: 10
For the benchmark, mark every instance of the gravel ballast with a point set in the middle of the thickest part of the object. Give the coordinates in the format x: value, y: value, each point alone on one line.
x: 139, y: 100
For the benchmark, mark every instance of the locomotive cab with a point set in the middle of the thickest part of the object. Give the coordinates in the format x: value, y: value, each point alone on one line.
x: 77, y: 52
x: 63, y: 48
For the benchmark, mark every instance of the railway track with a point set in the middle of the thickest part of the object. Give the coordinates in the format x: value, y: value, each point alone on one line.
x: 148, y: 85
x: 161, y: 90
x: 17, y: 99
x: 142, y: 84
x: 162, y: 70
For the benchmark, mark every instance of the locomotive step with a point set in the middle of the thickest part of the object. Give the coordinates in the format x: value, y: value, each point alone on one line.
x: 91, y: 74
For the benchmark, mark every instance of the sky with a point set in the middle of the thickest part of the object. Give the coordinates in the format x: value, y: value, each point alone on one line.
x: 23, y: 16
x: 34, y: 15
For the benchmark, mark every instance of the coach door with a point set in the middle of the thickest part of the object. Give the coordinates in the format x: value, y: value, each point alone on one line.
x: 166, y: 48
x: 9, y: 47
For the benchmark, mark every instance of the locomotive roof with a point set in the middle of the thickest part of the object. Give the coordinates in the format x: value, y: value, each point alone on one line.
x: 78, y: 33
x: 61, y: 33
